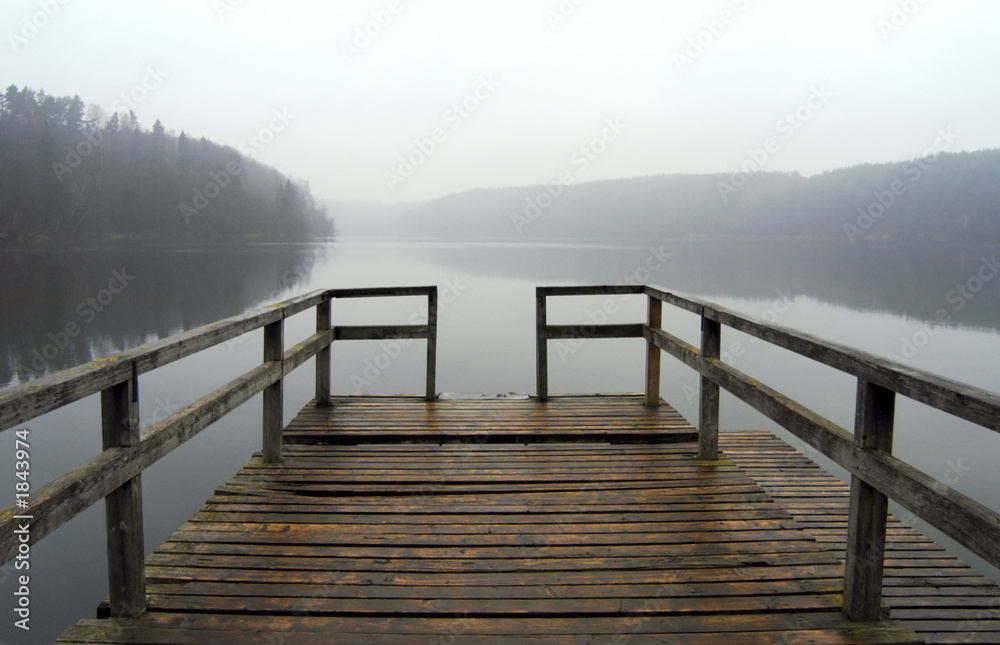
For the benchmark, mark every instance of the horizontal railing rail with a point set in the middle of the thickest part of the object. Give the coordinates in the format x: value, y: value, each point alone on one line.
x: 23, y: 403
x: 115, y: 474
x: 866, y: 453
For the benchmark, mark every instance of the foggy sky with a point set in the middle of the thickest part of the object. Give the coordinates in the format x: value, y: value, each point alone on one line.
x: 516, y: 92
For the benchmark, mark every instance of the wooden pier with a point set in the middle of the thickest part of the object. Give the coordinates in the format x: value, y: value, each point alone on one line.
x: 548, y: 519
x: 417, y: 539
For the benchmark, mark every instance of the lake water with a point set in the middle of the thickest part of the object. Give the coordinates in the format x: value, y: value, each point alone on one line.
x: 937, y: 308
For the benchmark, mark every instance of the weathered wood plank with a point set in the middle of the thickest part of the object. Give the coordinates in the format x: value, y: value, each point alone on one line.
x: 541, y: 346
x: 708, y: 415
x: 502, y: 607
x: 656, y: 575
x: 324, y: 323
x: 123, y: 507
x: 381, y: 292
x: 869, y: 509
x: 814, y: 627
x: 473, y: 522
x: 551, y: 332
x: 384, y: 590
x: 298, y: 304
x: 654, y: 319
x: 295, y: 356
x: 430, y: 379
x: 274, y: 394
x: 616, y: 290
x: 381, y: 332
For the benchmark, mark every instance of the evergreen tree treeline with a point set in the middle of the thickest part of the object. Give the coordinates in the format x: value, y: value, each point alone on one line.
x: 70, y: 172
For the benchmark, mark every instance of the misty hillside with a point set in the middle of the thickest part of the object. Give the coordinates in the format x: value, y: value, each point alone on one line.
x: 70, y: 173
x: 947, y: 197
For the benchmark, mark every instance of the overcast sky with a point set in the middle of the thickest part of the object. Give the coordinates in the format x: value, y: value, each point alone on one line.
x: 503, y: 93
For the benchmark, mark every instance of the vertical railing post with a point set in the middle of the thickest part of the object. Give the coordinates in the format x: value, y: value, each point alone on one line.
x: 541, y: 347
x: 432, y: 320
x: 869, y: 510
x: 274, y: 349
x: 708, y: 418
x: 123, y: 507
x: 655, y: 321
x: 324, y: 321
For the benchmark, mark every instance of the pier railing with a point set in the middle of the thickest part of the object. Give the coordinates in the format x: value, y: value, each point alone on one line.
x: 115, y: 474
x: 876, y: 475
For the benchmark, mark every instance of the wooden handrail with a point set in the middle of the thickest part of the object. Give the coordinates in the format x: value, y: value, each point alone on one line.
x: 115, y: 474
x: 954, y: 397
x: 370, y: 332
x: 382, y: 292
x: 876, y: 475
x: 23, y: 403
x: 545, y: 332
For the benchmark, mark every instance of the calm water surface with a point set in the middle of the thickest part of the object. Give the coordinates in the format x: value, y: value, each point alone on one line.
x: 64, y: 308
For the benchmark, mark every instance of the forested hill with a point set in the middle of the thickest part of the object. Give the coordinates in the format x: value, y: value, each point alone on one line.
x: 71, y: 173
x: 945, y: 197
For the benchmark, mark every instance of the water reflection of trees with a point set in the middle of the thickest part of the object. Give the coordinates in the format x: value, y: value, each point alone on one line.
x: 62, y: 308
x: 44, y: 291
x: 912, y: 280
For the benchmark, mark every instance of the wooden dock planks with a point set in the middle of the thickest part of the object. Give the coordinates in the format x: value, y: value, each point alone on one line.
x: 488, y: 542
x: 613, y: 419
x: 927, y: 588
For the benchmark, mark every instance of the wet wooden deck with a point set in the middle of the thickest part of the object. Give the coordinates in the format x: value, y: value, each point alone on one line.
x: 940, y: 597
x: 580, y: 520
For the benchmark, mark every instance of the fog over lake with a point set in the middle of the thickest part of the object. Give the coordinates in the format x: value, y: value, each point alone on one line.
x: 833, y: 169
x: 881, y: 298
